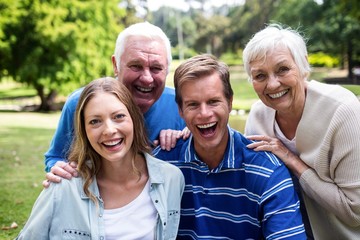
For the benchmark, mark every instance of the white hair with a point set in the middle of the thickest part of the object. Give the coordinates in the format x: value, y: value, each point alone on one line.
x: 276, y: 35
x: 144, y: 29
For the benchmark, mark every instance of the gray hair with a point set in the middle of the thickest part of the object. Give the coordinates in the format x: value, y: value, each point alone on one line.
x: 276, y: 35
x: 144, y: 29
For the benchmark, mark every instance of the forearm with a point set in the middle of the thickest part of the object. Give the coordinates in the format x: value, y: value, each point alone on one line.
x: 343, y: 201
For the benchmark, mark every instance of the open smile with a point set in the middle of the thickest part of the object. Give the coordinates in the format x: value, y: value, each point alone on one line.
x: 279, y: 94
x: 207, y: 129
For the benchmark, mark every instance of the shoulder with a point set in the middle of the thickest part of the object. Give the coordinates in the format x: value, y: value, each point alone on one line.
x: 330, y: 92
x: 168, y: 96
x: 73, y: 99
x: 260, y: 109
x: 66, y: 186
x: 169, y: 91
x: 154, y: 162
x: 173, y: 154
x: 331, y: 100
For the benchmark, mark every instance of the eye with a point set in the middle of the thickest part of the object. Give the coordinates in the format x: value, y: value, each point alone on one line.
x: 213, y: 101
x: 94, y: 122
x: 191, y: 105
x: 135, y: 67
x: 283, y: 70
x: 119, y: 116
x: 156, y: 69
x: 259, y: 77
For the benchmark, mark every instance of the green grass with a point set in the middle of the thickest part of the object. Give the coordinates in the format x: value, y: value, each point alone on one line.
x: 12, y: 90
x: 24, y: 137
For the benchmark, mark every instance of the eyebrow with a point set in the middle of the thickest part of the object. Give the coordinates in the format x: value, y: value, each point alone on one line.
x: 280, y: 63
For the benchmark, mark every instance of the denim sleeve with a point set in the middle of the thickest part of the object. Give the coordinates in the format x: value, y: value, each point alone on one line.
x: 40, y: 219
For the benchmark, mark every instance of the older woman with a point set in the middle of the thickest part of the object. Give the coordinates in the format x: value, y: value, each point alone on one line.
x: 311, y: 126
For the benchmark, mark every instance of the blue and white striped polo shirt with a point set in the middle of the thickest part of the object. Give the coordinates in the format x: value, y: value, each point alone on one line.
x: 250, y: 195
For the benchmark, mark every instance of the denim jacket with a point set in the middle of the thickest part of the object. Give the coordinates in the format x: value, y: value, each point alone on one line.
x: 63, y: 211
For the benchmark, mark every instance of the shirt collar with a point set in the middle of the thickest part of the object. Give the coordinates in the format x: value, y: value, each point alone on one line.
x: 228, y: 159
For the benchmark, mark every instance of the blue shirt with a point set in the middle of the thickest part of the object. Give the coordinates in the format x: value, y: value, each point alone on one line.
x: 163, y: 114
x: 250, y: 194
x: 63, y: 211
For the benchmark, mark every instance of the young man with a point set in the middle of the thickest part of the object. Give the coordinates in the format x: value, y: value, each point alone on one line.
x: 231, y: 192
x: 141, y: 62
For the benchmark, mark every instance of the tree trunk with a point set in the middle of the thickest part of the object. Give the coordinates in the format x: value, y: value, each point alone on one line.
x: 350, y: 62
x: 47, y: 103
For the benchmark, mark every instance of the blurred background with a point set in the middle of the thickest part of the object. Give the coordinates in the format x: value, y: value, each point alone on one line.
x: 49, y: 48
x: 53, y: 47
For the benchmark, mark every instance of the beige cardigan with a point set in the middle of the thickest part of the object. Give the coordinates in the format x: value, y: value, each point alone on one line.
x: 328, y: 141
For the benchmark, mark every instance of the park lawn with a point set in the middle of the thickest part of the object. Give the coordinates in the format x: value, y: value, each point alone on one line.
x: 24, y: 137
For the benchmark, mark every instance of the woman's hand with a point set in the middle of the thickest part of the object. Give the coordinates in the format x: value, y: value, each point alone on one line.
x: 274, y: 145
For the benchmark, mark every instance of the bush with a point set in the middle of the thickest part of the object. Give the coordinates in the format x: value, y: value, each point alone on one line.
x: 188, y: 52
x: 231, y: 58
x: 321, y: 59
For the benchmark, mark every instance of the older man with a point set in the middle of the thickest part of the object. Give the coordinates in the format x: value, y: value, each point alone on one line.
x: 141, y: 61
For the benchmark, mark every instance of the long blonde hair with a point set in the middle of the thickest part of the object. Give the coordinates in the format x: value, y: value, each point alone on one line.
x: 87, y: 159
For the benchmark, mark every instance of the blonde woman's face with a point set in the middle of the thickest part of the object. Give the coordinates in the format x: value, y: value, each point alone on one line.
x: 109, y: 126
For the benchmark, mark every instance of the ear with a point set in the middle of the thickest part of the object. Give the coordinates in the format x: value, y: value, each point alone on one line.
x: 114, y: 65
x: 230, y: 104
x: 180, y: 112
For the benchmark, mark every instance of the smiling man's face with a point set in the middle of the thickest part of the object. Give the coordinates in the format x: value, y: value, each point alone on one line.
x: 143, y: 69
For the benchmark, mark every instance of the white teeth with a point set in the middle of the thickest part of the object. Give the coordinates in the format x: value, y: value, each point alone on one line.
x: 277, y: 95
x: 111, y: 143
x: 206, y: 125
x: 144, y: 89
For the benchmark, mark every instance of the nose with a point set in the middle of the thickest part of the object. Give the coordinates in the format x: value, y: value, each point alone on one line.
x: 273, y: 82
x: 205, y: 110
x: 109, y: 128
x: 146, y: 77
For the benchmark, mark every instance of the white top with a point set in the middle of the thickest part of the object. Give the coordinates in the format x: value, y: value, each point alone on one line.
x: 136, y: 220
x: 290, y: 144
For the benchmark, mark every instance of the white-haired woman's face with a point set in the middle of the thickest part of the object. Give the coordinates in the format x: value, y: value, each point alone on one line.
x: 278, y: 82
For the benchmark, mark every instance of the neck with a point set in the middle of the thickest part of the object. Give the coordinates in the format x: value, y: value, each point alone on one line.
x: 211, y: 155
x: 125, y: 170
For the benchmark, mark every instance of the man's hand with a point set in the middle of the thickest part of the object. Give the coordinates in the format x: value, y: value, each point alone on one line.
x: 169, y: 137
x: 60, y: 170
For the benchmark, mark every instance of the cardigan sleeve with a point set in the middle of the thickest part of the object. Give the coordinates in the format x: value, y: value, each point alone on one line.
x: 334, y: 180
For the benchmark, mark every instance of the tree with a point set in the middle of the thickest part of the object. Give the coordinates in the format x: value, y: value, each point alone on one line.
x: 338, y: 32
x: 57, y: 45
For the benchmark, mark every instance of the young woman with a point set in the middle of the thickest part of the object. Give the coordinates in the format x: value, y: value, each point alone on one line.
x: 122, y: 192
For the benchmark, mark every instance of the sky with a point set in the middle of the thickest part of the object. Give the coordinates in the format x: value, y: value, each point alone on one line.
x: 181, y: 4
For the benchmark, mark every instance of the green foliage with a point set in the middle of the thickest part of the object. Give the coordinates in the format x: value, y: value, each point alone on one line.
x: 188, y: 52
x: 353, y: 88
x: 321, y: 59
x: 232, y: 58
x: 51, y: 44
